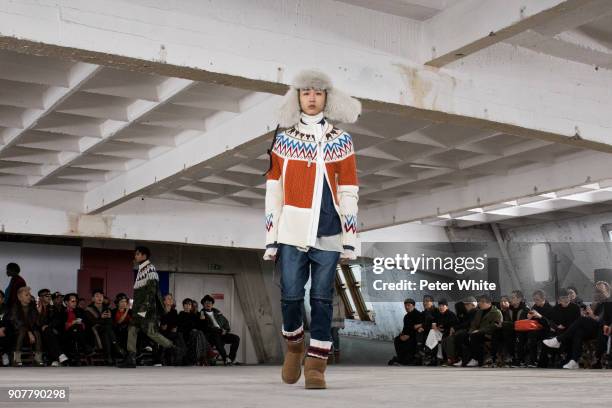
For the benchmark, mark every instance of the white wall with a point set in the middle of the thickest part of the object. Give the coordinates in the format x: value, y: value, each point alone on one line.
x: 42, y: 266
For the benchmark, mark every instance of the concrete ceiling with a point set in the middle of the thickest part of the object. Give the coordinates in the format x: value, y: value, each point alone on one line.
x: 78, y: 126
x: 75, y: 126
x: 414, y: 9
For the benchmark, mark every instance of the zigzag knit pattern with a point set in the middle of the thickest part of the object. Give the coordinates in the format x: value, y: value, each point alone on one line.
x: 291, y: 148
x: 269, y: 223
x: 350, y: 223
x: 338, y: 148
x: 294, y: 145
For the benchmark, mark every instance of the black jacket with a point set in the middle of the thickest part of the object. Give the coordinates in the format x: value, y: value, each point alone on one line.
x: 186, y: 322
x: 564, y: 315
x: 517, y: 313
x: 170, y: 320
x: 466, y: 320
x: 24, y: 317
x: 410, y: 319
x: 445, y: 321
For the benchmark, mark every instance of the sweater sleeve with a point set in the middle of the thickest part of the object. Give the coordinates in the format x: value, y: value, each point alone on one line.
x: 348, y: 196
x: 274, y: 199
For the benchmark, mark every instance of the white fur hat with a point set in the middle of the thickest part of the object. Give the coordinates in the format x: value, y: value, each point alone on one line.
x: 339, y: 107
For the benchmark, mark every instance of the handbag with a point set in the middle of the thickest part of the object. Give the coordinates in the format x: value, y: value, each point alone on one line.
x: 527, y: 325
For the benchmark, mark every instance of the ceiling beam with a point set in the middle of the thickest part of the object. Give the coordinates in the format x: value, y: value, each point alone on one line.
x: 254, y: 124
x: 567, y: 173
x: 379, y: 65
x: 137, y: 110
x: 483, y: 23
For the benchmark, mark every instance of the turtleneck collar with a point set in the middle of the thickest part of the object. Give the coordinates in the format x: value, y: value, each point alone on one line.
x: 312, y: 119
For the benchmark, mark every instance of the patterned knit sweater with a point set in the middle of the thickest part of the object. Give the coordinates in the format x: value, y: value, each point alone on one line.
x: 301, y: 163
x: 147, y: 297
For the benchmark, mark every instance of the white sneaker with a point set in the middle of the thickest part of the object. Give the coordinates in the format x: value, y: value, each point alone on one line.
x: 552, y: 343
x: 572, y: 365
x: 458, y: 364
x: 148, y: 348
x: 472, y: 363
x: 62, y: 358
x: 5, y: 359
x: 55, y: 364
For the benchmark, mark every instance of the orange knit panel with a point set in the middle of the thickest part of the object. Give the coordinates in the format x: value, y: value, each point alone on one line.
x: 277, y: 167
x: 299, y: 183
x: 347, y: 171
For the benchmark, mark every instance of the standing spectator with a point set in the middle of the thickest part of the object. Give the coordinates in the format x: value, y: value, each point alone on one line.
x: 406, y: 342
x: 51, y: 328
x: 24, y: 317
x: 217, y: 330
x: 147, y: 305
x: 15, y: 283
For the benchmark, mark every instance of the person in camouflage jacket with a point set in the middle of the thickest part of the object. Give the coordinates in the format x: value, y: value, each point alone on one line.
x: 146, y: 307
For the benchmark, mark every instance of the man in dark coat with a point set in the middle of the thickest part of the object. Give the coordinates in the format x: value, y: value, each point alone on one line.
x: 406, y: 342
x: 24, y: 318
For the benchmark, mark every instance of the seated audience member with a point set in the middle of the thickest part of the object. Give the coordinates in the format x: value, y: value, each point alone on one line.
x: 503, y: 337
x: 15, y: 283
x: 50, y: 328
x: 100, y: 324
x: 82, y: 304
x: 444, y: 321
x: 121, y: 316
x: 217, y: 330
x: 24, y: 318
x: 516, y: 342
x: 453, y: 344
x: 169, y: 319
x: 573, y: 295
x: 75, y: 342
x: 169, y: 329
x: 587, y: 327
x: 428, y: 316
x: 5, y: 332
x: 58, y: 301
x: 541, y: 312
x: 194, y: 308
x: 186, y: 320
x: 487, y: 319
x: 406, y: 342
x: 190, y: 335
x: 564, y: 314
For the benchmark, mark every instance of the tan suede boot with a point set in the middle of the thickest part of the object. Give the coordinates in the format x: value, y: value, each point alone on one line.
x: 292, y: 366
x: 314, y: 373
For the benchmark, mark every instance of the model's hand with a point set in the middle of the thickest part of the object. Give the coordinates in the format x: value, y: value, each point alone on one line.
x: 404, y: 337
x: 348, y: 255
x: 32, y: 338
x: 270, y: 254
x: 607, y: 330
x: 2, y: 331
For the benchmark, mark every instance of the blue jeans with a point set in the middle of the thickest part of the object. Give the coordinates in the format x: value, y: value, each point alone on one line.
x: 295, y: 267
